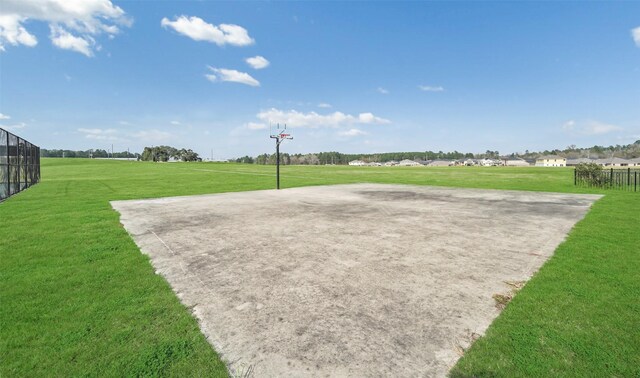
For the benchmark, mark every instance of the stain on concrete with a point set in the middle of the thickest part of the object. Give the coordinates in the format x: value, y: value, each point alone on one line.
x: 362, y: 280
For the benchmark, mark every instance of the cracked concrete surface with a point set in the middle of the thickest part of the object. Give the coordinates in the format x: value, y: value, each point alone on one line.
x: 348, y: 280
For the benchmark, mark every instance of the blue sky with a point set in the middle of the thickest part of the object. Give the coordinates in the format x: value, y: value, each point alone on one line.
x: 354, y: 77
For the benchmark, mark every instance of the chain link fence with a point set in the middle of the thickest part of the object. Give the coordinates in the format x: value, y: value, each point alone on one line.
x: 19, y: 164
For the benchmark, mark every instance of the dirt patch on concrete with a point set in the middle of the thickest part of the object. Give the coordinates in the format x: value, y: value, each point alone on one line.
x: 348, y: 280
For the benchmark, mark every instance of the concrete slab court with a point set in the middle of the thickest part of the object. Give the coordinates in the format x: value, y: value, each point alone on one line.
x: 359, y: 280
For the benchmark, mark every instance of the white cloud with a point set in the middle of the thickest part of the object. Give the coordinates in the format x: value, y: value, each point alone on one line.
x: 152, y: 135
x: 569, y: 125
x: 85, y: 18
x: 352, y: 133
x: 635, y: 33
x: 16, y: 126
x: 257, y: 62
x: 199, y: 30
x: 100, y: 134
x: 63, y: 39
x: 176, y: 123
x: 589, y: 127
x: 429, y: 88
x: 4, y: 116
x: 324, y: 105
x: 294, y: 118
x: 599, y: 128
x: 223, y: 74
x: 256, y: 126
x: 382, y: 90
x: 13, y: 33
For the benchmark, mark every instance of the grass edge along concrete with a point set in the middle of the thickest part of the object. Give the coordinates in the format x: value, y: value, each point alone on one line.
x: 80, y: 299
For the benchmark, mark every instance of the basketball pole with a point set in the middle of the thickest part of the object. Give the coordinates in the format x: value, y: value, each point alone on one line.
x: 277, y: 164
x: 279, y: 137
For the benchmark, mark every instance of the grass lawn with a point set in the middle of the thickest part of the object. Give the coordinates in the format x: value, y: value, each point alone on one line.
x: 78, y: 298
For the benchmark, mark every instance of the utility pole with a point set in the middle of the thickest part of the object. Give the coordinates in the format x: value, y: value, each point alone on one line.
x: 279, y: 137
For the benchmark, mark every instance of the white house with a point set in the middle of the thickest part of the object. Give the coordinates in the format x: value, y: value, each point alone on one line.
x: 551, y: 161
x: 572, y: 162
x: 390, y: 163
x: 515, y: 162
x: 440, y: 163
x: 613, y: 162
x: 408, y: 163
x: 488, y: 162
x: 357, y: 163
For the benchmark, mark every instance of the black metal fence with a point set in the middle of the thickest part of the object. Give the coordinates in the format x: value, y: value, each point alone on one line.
x: 19, y: 164
x: 622, y: 179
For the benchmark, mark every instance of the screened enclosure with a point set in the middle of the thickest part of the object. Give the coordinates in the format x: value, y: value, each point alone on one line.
x: 19, y: 164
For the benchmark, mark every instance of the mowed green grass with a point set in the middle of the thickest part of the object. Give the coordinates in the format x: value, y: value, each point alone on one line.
x: 78, y: 298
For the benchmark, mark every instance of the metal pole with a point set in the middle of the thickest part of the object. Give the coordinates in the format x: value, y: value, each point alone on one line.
x: 18, y: 161
x: 277, y: 163
x: 8, y: 169
x: 611, y: 179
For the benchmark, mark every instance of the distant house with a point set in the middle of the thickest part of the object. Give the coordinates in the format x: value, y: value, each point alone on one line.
x: 551, y: 161
x: 613, y: 162
x: 489, y: 162
x: 515, y: 162
x: 469, y: 162
x: 440, y: 163
x: 391, y: 163
x: 634, y: 162
x: 574, y: 162
x: 357, y: 163
x: 408, y: 163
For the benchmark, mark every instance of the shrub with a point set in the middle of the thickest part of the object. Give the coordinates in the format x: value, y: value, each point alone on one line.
x: 591, y: 174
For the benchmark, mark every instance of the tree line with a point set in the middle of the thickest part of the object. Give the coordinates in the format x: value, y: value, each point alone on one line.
x: 166, y: 153
x: 97, y: 153
x: 155, y: 153
x: 322, y: 158
x: 625, y: 151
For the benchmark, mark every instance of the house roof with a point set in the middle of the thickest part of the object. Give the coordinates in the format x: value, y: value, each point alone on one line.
x: 550, y: 157
x: 614, y: 160
x: 581, y: 160
x: 440, y: 163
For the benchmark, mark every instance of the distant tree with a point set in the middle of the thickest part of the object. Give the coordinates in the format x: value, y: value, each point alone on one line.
x: 245, y: 159
x: 186, y: 155
x: 159, y: 153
